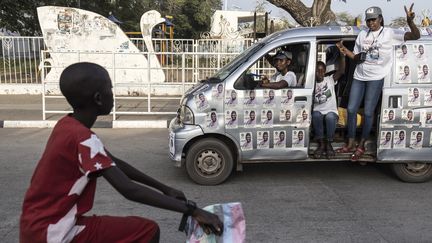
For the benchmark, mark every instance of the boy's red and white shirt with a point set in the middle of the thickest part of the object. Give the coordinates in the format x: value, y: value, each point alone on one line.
x: 63, y: 184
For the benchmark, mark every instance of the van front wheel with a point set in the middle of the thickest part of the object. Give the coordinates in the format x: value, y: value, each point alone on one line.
x: 413, y: 172
x: 209, y: 162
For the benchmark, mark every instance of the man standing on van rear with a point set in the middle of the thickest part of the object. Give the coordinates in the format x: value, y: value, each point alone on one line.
x: 283, y: 78
x: 373, y: 53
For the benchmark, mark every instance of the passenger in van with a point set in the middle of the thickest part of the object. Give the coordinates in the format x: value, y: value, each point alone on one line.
x: 283, y: 78
x: 325, y: 108
x: 373, y: 55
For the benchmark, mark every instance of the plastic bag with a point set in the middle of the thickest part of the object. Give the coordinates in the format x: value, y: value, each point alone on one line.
x: 234, y: 225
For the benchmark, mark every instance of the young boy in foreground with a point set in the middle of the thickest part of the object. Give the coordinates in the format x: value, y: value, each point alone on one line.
x: 64, y: 182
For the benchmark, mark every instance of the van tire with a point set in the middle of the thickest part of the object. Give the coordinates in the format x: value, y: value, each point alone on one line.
x: 414, y: 172
x: 209, y: 161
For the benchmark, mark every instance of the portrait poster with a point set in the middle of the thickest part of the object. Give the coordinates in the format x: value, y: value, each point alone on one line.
x: 414, y: 96
x: 269, y: 98
x: 416, y: 139
x: 218, y: 91
x: 302, y: 118
x: 428, y: 97
x: 287, y: 97
x: 385, y: 139
x: 232, y: 97
x: 285, y: 115
x: 279, y: 139
x: 250, y: 99
x: 408, y: 115
x: 423, y: 75
x: 426, y: 118
x: 249, y: 118
x: 298, y: 138
x: 404, y: 73
x: 267, y: 118
x: 212, y: 120
x: 388, y: 115
x: 246, y: 141
x: 399, y: 139
x: 263, y: 138
x: 201, y: 102
x: 231, y: 119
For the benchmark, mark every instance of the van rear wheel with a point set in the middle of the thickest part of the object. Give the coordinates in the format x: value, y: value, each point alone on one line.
x: 209, y: 162
x: 413, y: 172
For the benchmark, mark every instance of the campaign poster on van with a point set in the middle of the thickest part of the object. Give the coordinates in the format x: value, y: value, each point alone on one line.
x: 402, y: 53
x: 279, y: 139
x: 263, y: 139
x: 423, y: 73
x: 249, y: 118
x: 302, y: 118
x: 388, y: 115
x: 426, y: 118
x: 399, y: 139
x: 285, y: 115
x: 287, y: 97
x: 428, y: 97
x: 414, y: 96
x: 386, y: 139
x: 420, y: 52
x: 212, y: 120
x: 404, y: 73
x: 269, y: 98
x: 218, y: 91
x: 416, y: 139
x: 408, y: 115
x: 232, y: 98
x: 267, y: 118
x: 250, y: 99
x: 246, y: 141
x: 231, y: 120
x: 297, y: 138
x: 201, y: 102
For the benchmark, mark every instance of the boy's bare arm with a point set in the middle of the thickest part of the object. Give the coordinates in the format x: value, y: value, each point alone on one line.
x: 139, y: 193
x: 138, y: 176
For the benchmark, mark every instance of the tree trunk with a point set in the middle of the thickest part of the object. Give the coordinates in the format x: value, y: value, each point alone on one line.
x: 319, y: 13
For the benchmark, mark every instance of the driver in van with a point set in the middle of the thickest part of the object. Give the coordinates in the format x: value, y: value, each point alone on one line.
x: 373, y: 55
x: 283, y: 78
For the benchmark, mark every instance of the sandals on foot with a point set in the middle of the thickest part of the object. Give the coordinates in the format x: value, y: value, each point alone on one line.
x: 344, y: 149
x: 357, y: 154
x: 330, y: 153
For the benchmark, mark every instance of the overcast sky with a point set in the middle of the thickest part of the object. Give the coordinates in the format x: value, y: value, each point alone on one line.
x: 391, y: 10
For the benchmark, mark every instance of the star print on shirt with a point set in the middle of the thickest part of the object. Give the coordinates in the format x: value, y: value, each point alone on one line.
x: 95, y: 146
x: 98, y: 166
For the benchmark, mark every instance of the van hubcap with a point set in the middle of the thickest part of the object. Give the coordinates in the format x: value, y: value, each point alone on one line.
x: 209, y: 162
x: 417, y: 168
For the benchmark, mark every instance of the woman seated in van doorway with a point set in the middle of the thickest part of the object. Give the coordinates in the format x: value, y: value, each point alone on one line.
x: 325, y: 108
x: 283, y: 78
x: 373, y: 53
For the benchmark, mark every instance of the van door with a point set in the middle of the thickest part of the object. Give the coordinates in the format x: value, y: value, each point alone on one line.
x: 272, y: 124
x: 405, y: 118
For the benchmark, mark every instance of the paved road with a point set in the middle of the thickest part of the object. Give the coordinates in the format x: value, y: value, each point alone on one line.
x: 321, y: 202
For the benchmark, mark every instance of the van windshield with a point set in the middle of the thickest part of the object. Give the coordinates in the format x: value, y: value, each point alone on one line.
x: 240, y: 59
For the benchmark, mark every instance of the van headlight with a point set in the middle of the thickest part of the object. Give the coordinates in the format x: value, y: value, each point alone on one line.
x: 186, y: 115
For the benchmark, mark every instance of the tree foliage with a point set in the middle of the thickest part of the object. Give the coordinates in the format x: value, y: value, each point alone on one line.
x: 190, y: 17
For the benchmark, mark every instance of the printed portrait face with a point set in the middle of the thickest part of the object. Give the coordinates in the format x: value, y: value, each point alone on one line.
x: 289, y: 94
x: 201, y: 97
x: 233, y: 115
x: 248, y: 137
x: 391, y: 115
x: 220, y: 88
x: 300, y: 135
x: 233, y: 95
x: 269, y: 115
x: 281, y: 136
x: 252, y: 115
x: 428, y: 116
x: 410, y: 115
x: 416, y: 93
x: 425, y: 69
x: 271, y: 94
x: 406, y: 70
x: 213, y: 116
x: 388, y: 136
x: 421, y: 49
x: 304, y: 115
x: 419, y: 136
x: 401, y: 135
x: 265, y: 136
x: 287, y: 115
x: 404, y: 49
x: 252, y: 95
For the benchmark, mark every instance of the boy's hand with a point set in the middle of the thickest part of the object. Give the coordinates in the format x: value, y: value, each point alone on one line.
x: 410, y: 13
x: 208, y: 221
x: 171, y: 192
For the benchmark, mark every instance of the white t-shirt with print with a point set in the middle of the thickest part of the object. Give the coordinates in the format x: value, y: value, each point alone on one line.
x: 379, y: 47
x: 324, y: 96
x: 289, y: 77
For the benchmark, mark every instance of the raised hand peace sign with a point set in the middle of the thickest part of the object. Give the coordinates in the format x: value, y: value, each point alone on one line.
x: 410, y: 13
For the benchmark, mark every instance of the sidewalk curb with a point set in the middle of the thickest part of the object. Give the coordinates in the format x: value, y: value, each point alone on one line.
x: 98, y: 124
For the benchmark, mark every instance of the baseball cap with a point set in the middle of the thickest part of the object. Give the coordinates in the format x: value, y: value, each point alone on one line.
x: 373, y: 13
x: 283, y: 55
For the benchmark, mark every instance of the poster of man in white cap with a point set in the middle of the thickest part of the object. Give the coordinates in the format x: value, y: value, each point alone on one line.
x: 413, y: 96
x: 263, y: 139
x: 399, y: 140
x: 385, y: 140
x: 246, y: 141
x: 416, y: 140
x: 279, y: 139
